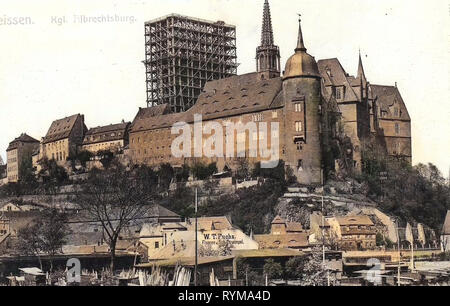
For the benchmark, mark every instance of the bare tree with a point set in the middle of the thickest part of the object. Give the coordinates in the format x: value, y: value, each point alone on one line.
x: 115, y: 197
x: 45, y: 236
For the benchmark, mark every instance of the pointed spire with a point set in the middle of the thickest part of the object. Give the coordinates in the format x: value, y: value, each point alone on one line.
x: 267, y: 31
x: 300, y: 43
x: 360, y: 67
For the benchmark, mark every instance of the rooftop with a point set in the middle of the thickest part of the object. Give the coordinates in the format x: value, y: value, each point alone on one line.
x: 23, y: 138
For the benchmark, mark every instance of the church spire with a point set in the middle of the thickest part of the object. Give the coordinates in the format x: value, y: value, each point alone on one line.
x: 300, y: 43
x: 267, y: 54
x: 266, y: 31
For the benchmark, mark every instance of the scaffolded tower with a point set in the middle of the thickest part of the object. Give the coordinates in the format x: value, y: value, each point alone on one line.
x: 182, y: 54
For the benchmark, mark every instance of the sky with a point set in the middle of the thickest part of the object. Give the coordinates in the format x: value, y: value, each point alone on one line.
x: 52, y: 65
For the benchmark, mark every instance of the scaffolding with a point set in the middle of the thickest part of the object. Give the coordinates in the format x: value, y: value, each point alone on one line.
x: 182, y: 54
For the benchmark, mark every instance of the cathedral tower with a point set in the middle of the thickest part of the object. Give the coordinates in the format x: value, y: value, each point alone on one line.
x: 267, y: 54
x: 303, y: 115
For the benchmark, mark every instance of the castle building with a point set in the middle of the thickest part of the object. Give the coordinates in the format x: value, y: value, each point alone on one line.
x: 351, y: 96
x: 310, y: 104
x: 392, y: 121
x: 292, y: 103
x: 62, y: 140
x: 367, y: 110
x: 18, y: 153
x: 113, y: 137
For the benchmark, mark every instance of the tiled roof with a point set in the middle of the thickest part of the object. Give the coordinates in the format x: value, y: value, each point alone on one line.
x: 212, y: 223
x: 386, y: 97
x: 278, y: 220
x: 334, y: 74
x: 106, y: 133
x: 61, y: 128
x: 155, y: 229
x: 294, y: 227
x: 354, y: 220
x: 298, y: 240
x: 232, y: 96
x: 24, y: 138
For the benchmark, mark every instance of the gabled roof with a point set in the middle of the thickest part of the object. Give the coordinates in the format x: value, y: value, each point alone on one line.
x: 297, y: 240
x: 446, y: 226
x: 294, y: 227
x: 106, y: 133
x: 232, y: 96
x: 278, y: 220
x: 354, y: 220
x: 334, y: 74
x: 23, y: 138
x: 156, y: 229
x: 212, y: 223
x: 386, y: 97
x: 61, y: 128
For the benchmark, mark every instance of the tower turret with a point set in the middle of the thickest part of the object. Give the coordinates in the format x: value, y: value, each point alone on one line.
x: 267, y: 54
x: 303, y: 115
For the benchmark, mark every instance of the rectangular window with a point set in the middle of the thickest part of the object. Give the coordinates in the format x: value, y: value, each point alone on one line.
x: 156, y: 245
x: 298, y: 107
x: 300, y: 165
x: 298, y: 126
x: 337, y: 93
x: 257, y: 117
x: 274, y: 115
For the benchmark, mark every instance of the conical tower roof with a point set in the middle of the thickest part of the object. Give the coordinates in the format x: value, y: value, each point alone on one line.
x: 301, y: 64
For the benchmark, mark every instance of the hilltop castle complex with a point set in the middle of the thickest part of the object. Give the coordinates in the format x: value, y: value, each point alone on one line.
x: 313, y: 116
x: 325, y: 115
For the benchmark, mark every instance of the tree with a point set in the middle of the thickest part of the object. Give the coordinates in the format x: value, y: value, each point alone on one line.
x: 166, y: 175
x: 243, y: 170
x: 52, y: 173
x: 46, y: 235
x: 224, y: 248
x: 180, y: 201
x: 250, y: 209
x: 83, y: 157
x: 26, y: 173
x: 106, y: 158
x: 278, y: 173
x: 182, y: 175
x: 294, y: 267
x: 273, y: 269
x: 314, y: 271
x: 115, y: 197
x: 202, y: 171
x: 251, y: 275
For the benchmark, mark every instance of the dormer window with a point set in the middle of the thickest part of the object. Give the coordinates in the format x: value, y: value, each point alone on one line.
x: 337, y: 93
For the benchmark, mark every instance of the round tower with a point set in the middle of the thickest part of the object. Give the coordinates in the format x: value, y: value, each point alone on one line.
x: 302, y: 96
